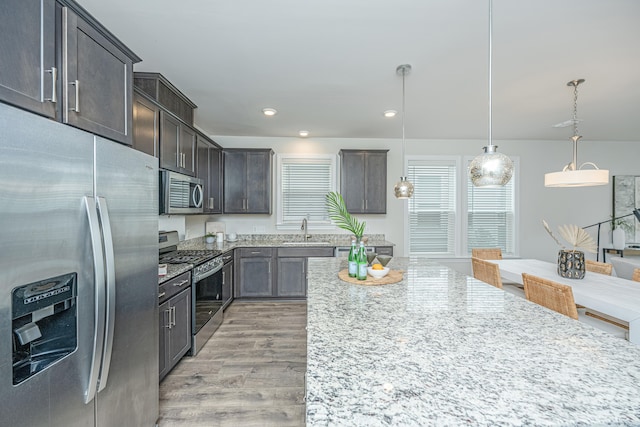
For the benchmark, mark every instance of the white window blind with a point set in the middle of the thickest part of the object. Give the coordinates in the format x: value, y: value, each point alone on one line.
x: 491, y: 217
x: 304, y: 182
x: 432, y: 209
x: 448, y: 216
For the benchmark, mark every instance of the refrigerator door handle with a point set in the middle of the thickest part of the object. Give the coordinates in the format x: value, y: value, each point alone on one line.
x: 109, y: 257
x: 99, y: 288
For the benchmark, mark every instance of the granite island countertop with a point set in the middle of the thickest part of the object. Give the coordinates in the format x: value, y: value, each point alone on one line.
x: 444, y: 349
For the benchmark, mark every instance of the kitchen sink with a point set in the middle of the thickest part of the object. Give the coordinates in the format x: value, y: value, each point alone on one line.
x: 305, y: 243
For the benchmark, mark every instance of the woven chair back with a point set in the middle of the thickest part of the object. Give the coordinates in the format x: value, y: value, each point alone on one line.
x: 598, y: 267
x: 550, y: 294
x: 486, y: 271
x: 486, y: 253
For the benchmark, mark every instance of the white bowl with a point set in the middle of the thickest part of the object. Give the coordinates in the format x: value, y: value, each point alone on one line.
x: 378, y: 274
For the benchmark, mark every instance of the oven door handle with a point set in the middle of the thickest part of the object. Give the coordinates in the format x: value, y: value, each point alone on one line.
x: 207, y: 273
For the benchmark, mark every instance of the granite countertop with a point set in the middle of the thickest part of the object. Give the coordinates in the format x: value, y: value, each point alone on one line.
x: 174, y: 270
x: 281, y: 240
x: 441, y: 348
x: 265, y: 240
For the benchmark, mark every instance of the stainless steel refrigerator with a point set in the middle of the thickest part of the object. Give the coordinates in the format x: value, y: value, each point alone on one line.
x: 78, y: 277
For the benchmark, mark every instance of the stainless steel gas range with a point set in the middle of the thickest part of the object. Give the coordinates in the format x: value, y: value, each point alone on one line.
x: 210, y: 294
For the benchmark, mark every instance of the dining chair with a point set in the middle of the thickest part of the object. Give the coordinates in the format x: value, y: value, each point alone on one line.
x: 486, y: 253
x: 636, y: 274
x: 598, y: 267
x: 550, y: 294
x: 486, y: 271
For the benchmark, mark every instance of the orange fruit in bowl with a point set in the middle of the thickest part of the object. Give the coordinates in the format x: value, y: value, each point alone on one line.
x: 377, y: 267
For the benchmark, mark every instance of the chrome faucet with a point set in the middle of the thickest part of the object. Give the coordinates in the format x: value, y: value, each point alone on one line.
x: 304, y: 228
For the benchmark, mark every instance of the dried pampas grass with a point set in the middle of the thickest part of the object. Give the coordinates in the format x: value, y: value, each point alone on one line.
x: 575, y: 236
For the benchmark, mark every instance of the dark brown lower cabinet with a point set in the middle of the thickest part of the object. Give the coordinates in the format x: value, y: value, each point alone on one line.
x: 175, y: 322
x: 255, y: 273
x: 275, y: 272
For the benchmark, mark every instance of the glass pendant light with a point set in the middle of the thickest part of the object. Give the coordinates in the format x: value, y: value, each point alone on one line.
x: 403, y: 188
x: 490, y: 169
x: 571, y: 175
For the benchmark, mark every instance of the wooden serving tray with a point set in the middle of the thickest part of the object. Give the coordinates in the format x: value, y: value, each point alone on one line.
x: 394, y: 276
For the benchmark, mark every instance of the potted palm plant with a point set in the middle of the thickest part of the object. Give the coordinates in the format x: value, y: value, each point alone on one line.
x: 338, y: 213
x: 571, y: 261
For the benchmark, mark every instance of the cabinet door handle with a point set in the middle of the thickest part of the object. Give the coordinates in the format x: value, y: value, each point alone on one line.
x: 161, y: 295
x: 181, y: 283
x: 363, y: 205
x: 269, y: 268
x: 223, y: 280
x: 255, y: 252
x: 366, y: 203
x: 76, y: 83
x: 210, y: 202
x: 173, y: 316
x: 167, y: 323
x: 184, y: 160
x: 54, y: 89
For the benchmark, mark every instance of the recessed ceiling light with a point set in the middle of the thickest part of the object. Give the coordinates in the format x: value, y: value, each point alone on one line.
x: 390, y: 113
x: 303, y: 133
x: 269, y: 111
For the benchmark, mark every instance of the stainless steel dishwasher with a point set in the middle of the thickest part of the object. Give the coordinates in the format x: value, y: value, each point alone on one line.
x: 343, y: 251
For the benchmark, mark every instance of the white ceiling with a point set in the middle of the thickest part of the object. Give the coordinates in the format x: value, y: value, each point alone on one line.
x: 329, y: 66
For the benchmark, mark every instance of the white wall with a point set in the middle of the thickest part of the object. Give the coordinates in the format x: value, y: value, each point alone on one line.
x: 581, y: 206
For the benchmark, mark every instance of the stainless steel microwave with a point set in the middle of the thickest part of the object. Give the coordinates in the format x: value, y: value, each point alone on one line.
x: 180, y: 194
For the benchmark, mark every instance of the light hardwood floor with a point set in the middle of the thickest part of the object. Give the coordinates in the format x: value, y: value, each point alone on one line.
x: 250, y: 373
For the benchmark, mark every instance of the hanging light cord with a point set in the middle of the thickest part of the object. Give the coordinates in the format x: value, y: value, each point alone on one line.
x: 575, y: 108
x: 575, y: 138
x: 490, y: 68
x: 404, y: 72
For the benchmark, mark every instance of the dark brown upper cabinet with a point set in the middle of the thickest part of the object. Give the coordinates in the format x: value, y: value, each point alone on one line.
x: 59, y: 62
x: 247, y: 180
x: 209, y: 169
x: 363, y: 180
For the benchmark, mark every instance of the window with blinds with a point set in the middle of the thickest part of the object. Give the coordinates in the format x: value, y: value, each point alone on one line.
x: 491, y: 217
x: 448, y: 216
x: 432, y: 209
x: 303, y: 184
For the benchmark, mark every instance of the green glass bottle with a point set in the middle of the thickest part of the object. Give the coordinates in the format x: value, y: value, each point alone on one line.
x: 362, y: 263
x: 353, y: 262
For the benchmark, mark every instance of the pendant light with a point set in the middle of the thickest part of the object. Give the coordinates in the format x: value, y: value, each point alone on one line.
x: 490, y: 169
x: 403, y: 188
x: 571, y: 175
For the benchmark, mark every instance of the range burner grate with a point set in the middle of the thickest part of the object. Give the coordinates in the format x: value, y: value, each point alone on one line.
x: 187, y: 256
